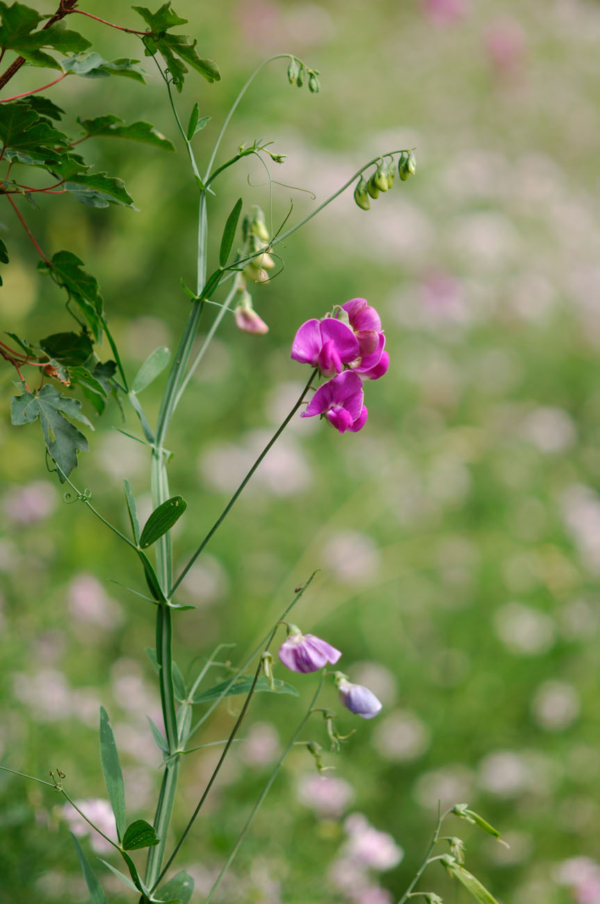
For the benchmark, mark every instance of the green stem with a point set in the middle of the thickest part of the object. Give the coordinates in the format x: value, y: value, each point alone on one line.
x: 89, y: 821
x: 264, y: 793
x: 424, y: 865
x: 239, y: 490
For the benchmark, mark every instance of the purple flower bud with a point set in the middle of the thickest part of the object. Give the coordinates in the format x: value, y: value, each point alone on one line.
x: 306, y: 653
x: 247, y: 320
x: 358, y: 699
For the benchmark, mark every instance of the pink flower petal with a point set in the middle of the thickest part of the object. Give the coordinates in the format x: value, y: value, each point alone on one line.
x: 345, y: 341
x: 344, y: 386
x: 354, y: 307
x: 366, y: 319
x: 340, y: 418
x: 330, y: 652
x: 307, y: 343
x: 368, y: 341
x: 321, y: 401
x: 354, y: 404
x: 329, y: 361
x: 360, y: 421
x: 370, y: 361
x: 380, y: 369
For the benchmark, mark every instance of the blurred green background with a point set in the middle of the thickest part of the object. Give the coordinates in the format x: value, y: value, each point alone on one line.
x: 458, y: 535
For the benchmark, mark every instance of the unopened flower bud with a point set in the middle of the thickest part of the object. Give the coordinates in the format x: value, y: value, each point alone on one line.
x: 361, y: 195
x: 267, y: 667
x: 407, y: 165
x: 411, y: 163
x: 372, y: 187
x: 293, y: 70
x: 457, y: 848
x: 358, y: 699
x: 301, y: 76
x: 259, y: 226
x: 256, y: 274
x: 313, y: 83
x: 380, y: 178
x: 390, y: 175
x: 247, y: 320
x: 306, y: 652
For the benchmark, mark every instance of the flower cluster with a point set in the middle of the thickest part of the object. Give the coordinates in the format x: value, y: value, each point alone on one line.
x: 347, y: 348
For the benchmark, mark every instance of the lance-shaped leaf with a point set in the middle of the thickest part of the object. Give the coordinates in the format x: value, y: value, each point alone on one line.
x: 179, y: 888
x: 161, y: 741
x: 63, y: 439
x: 116, y: 872
x: 243, y: 685
x: 473, y: 885
x: 3, y: 253
x: 92, y: 65
x: 154, y: 365
x: 162, y: 519
x: 111, y: 126
x: 140, y: 834
x: 68, y: 348
x: 132, y: 510
x: 229, y: 232
x: 18, y: 33
x: 97, y: 896
x: 113, y: 776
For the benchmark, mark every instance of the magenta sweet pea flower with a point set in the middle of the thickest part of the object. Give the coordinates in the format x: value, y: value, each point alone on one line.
x: 366, y: 324
x: 327, y: 344
x: 358, y: 699
x: 341, y: 401
x: 306, y: 652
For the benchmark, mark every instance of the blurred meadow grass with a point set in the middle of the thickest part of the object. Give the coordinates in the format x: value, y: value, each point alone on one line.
x: 458, y: 535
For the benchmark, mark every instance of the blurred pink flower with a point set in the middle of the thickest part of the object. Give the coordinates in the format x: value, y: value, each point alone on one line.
x: 261, y: 745
x: 100, y: 813
x: 445, y: 12
x: 368, y: 846
x: 31, y: 503
x: 328, y: 795
x: 505, y: 46
x: 89, y: 602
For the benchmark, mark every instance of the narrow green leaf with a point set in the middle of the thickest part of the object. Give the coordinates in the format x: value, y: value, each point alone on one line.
x: 162, y: 519
x: 191, y: 129
x: 119, y: 874
x: 132, y: 510
x: 211, y: 283
x: 146, y: 428
x: 158, y: 736
x: 151, y: 654
x: 151, y: 579
x: 178, y: 683
x: 3, y: 253
x: 242, y: 686
x: 111, y: 768
x: 229, y: 233
x: 140, y: 834
x: 97, y: 896
x: 179, y: 888
x: 151, y: 368
x: 473, y: 885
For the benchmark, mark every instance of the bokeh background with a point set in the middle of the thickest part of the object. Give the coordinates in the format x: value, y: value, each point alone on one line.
x: 458, y: 535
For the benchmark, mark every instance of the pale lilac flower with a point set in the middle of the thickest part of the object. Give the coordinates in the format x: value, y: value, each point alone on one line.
x: 358, y: 699
x: 98, y: 811
x: 327, y: 344
x: 328, y: 795
x: 444, y: 12
x: 505, y: 45
x: 306, y: 652
x: 31, y: 503
x: 368, y: 846
x: 341, y: 401
x: 247, y: 320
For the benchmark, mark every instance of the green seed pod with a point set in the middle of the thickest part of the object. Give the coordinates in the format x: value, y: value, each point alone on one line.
x: 372, y: 187
x: 361, y: 195
x: 380, y: 178
x: 293, y: 70
x: 301, y: 76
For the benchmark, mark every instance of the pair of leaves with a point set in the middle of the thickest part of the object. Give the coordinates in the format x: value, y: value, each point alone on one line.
x: 63, y: 440
x: 196, y: 123
x: 18, y: 33
x: 178, y: 51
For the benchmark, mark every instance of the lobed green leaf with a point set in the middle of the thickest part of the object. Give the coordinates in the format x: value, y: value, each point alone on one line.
x: 68, y: 348
x: 111, y: 126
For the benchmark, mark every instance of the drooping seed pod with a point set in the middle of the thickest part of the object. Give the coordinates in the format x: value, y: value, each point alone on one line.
x: 361, y: 195
x: 372, y: 187
x: 380, y: 178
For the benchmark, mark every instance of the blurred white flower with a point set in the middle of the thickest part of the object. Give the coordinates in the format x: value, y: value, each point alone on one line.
x: 524, y: 630
x: 261, y: 745
x: 120, y: 457
x: 47, y: 693
x: 89, y: 602
x: 579, y: 620
x: 581, y: 512
x: 206, y: 583
x: 446, y: 786
x: 504, y: 774
x: 556, y: 705
x: 352, y: 557
x: 98, y: 811
x: 401, y: 737
x: 328, y: 795
x: 550, y: 429
x: 29, y: 504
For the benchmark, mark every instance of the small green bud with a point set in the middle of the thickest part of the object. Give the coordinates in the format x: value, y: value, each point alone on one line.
x: 293, y: 70
x: 259, y: 226
x: 361, y: 195
x: 407, y: 165
x: 301, y: 76
x: 267, y: 667
x: 313, y: 83
x: 372, y: 187
x: 390, y: 175
x: 411, y: 165
x: 380, y: 178
x: 457, y: 848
